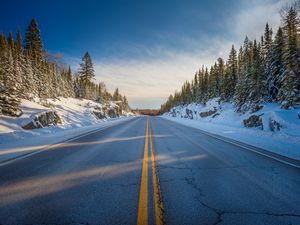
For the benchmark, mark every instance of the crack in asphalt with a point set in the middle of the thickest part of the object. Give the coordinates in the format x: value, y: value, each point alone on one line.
x: 220, y: 212
x: 160, y: 197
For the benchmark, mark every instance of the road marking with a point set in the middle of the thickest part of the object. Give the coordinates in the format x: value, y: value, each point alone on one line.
x: 143, y: 198
x: 158, y: 202
x: 55, y: 145
x: 245, y: 147
x: 252, y: 150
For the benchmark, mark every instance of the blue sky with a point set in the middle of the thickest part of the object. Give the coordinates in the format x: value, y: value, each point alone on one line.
x: 146, y: 48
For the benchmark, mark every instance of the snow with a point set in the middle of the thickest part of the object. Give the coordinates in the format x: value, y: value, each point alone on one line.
x: 230, y: 124
x: 77, y: 118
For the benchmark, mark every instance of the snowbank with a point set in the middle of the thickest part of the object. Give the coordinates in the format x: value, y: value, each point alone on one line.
x: 226, y: 122
x: 77, y: 117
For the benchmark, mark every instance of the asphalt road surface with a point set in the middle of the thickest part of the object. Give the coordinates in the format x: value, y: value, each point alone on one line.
x: 149, y: 170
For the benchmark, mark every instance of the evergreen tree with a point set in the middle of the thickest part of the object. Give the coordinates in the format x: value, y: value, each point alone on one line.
x: 258, y: 84
x: 263, y: 71
x: 276, y: 69
x: 33, y: 42
x: 242, y: 90
x: 116, y: 96
x: 86, y: 74
x: 230, y: 76
x: 289, y: 93
x: 9, y: 101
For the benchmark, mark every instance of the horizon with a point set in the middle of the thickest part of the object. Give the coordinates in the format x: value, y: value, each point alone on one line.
x: 135, y: 44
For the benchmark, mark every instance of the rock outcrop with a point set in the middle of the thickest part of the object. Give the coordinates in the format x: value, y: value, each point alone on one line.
x: 112, y: 113
x: 256, y: 108
x: 188, y: 114
x: 254, y: 121
x: 208, y: 113
x: 274, y: 125
x: 99, y: 113
x: 44, y: 119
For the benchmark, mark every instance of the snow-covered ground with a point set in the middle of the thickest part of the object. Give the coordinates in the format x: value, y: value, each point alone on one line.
x: 229, y: 123
x: 76, y: 115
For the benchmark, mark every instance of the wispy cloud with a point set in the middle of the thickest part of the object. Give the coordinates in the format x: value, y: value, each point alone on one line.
x: 251, y: 20
x: 154, y: 72
x: 148, y: 81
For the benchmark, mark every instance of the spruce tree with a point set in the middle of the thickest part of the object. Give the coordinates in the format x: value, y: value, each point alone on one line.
x: 231, y: 74
x: 86, y: 74
x: 242, y: 89
x: 276, y: 70
x: 289, y: 93
x: 9, y: 102
x: 116, y: 96
x: 33, y: 42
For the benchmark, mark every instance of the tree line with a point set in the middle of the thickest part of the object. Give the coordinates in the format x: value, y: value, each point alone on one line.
x: 27, y: 71
x: 267, y: 70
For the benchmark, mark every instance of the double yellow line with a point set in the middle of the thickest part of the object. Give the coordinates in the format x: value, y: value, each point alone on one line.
x: 143, y: 218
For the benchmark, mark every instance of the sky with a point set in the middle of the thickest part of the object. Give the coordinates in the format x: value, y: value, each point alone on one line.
x: 145, y: 48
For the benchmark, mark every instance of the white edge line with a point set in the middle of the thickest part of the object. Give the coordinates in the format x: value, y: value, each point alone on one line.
x: 250, y: 149
x: 50, y: 146
x: 258, y: 152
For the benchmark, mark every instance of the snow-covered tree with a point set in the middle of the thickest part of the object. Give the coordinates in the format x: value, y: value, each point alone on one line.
x: 289, y: 93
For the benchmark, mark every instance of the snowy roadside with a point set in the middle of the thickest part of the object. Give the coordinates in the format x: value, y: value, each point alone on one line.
x: 224, y: 121
x: 278, y: 143
x: 14, y: 149
x: 77, y: 116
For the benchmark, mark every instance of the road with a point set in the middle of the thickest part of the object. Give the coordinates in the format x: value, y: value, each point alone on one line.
x: 149, y: 170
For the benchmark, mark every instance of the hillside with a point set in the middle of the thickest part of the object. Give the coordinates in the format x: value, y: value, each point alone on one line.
x: 271, y: 127
x: 72, y: 113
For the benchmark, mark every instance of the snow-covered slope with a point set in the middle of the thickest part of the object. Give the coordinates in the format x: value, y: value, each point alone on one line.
x: 225, y: 121
x: 76, y: 116
x: 73, y: 112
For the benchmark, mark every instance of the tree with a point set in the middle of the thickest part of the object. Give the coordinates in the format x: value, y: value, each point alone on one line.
x: 86, y: 74
x: 289, y: 93
x: 231, y: 75
x: 9, y: 101
x: 276, y: 70
x: 116, y: 96
x: 257, y: 84
x: 33, y: 42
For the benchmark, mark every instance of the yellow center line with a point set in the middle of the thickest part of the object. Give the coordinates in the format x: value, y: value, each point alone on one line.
x: 142, y: 218
x: 143, y: 198
x: 158, y: 202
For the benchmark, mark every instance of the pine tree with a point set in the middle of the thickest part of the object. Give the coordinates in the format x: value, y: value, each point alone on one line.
x: 19, y: 66
x: 276, y: 69
x: 258, y: 84
x: 289, y: 93
x: 29, y: 84
x: 242, y: 89
x: 230, y: 77
x: 69, y: 81
x: 86, y: 74
x: 263, y: 71
x: 33, y: 42
x: 116, y: 96
x: 9, y: 102
x: 195, y: 87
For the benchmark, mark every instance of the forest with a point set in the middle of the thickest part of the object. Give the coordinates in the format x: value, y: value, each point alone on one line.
x: 265, y: 70
x: 27, y: 71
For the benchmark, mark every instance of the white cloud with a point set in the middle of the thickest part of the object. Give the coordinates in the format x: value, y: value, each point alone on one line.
x: 251, y: 20
x: 147, y: 82
x: 150, y: 78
